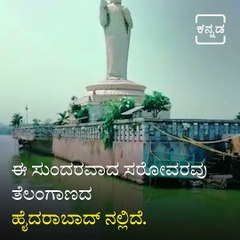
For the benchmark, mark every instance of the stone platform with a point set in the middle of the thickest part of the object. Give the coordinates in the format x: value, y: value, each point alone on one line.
x: 110, y: 89
x: 113, y: 89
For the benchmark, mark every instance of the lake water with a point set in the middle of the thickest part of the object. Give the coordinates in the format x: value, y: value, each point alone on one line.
x: 169, y: 213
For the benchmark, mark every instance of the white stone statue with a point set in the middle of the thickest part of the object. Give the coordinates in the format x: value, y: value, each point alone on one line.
x: 117, y: 23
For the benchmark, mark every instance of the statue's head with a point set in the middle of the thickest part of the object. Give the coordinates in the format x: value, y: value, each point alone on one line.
x: 116, y: 1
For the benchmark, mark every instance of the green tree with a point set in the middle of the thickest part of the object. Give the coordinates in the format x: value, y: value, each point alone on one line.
x: 75, y: 108
x: 113, y: 112
x: 16, y: 120
x: 126, y: 103
x: 107, y: 132
x: 63, y: 118
x: 156, y: 103
x: 36, y: 122
x: 238, y: 116
x: 80, y: 111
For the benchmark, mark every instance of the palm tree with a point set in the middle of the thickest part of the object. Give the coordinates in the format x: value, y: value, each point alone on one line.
x: 16, y: 120
x: 63, y: 118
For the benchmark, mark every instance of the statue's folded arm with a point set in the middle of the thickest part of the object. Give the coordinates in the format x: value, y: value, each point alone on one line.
x: 127, y: 16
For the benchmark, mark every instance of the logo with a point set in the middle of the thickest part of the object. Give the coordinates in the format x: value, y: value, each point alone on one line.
x: 210, y: 29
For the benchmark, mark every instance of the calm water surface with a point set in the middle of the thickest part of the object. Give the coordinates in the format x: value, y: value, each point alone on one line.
x: 170, y: 213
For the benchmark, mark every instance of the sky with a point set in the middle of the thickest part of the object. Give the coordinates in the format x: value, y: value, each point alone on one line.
x: 52, y: 49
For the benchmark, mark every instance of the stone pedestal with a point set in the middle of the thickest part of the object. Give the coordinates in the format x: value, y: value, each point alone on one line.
x: 100, y: 92
x: 115, y: 90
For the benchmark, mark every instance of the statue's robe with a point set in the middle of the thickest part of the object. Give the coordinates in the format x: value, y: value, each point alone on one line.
x: 117, y: 23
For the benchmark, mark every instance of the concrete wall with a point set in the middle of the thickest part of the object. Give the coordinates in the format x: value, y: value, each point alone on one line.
x: 92, y: 152
x: 139, y: 140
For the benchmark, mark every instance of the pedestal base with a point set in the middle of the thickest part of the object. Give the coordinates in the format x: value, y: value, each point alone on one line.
x: 110, y: 89
x: 115, y: 90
